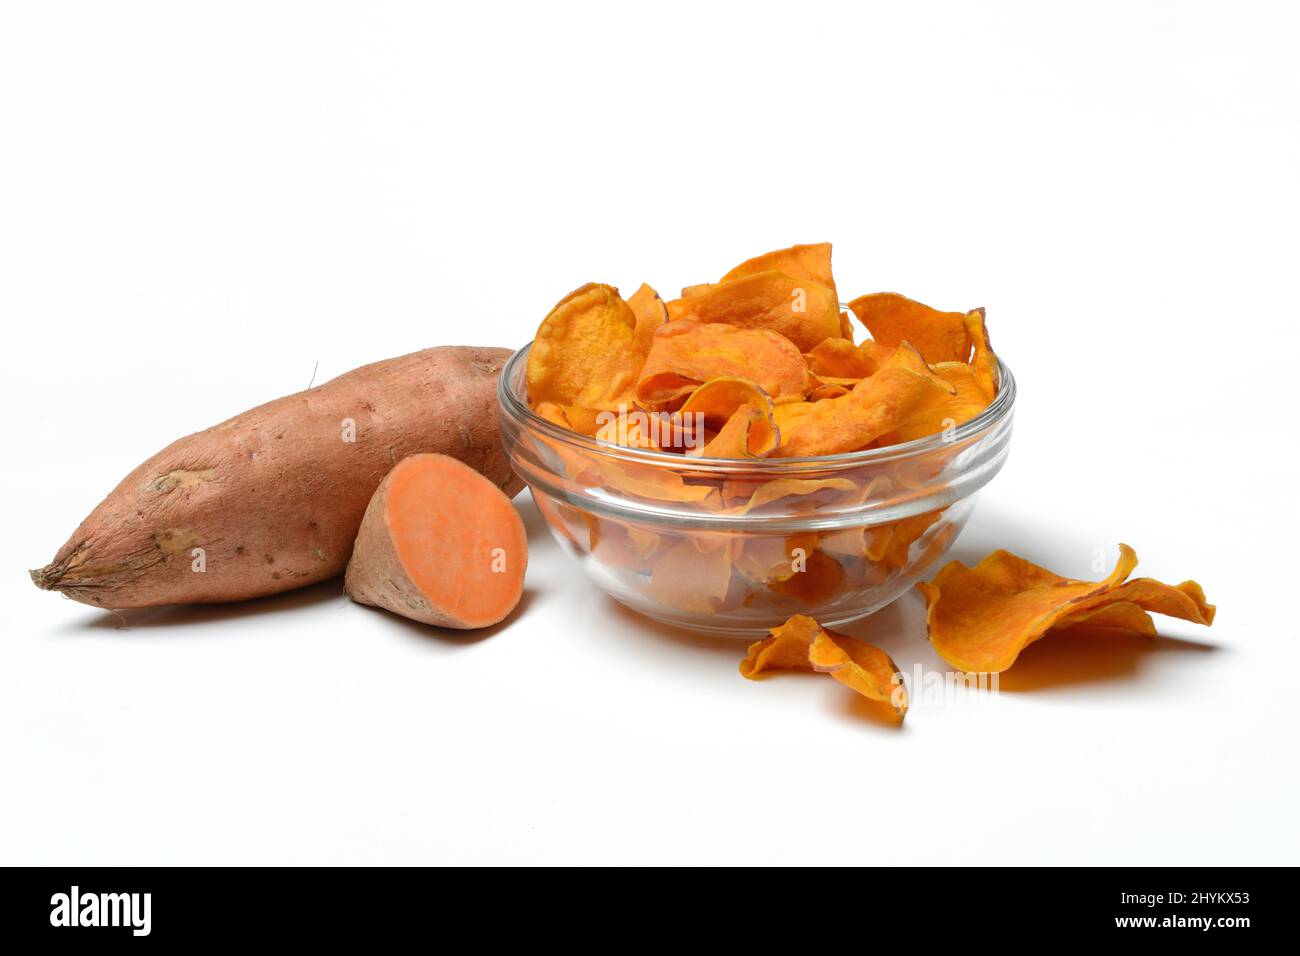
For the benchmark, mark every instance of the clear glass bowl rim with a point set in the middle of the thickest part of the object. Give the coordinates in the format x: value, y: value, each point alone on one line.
x: 513, y: 404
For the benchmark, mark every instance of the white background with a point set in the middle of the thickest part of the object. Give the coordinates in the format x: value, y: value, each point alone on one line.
x: 200, y: 202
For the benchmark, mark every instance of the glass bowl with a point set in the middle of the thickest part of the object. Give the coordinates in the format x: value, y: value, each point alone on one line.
x: 735, y: 547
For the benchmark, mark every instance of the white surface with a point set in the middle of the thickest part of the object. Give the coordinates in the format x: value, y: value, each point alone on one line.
x: 198, y: 205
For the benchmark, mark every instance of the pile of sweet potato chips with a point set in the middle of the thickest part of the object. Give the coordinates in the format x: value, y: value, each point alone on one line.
x: 759, y: 366
x: 762, y: 366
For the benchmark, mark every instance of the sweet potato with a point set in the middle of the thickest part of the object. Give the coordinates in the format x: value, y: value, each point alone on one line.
x: 272, y: 499
x: 439, y: 544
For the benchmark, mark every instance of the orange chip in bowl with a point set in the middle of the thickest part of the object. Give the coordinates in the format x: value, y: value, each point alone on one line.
x: 804, y: 312
x: 981, y: 618
x: 650, y: 313
x: 840, y: 358
x: 982, y: 360
x: 748, y: 433
x: 810, y: 263
x: 876, y: 406
x: 585, y: 353
x: 892, y: 319
x: 738, y: 412
x: 685, y: 354
x: 941, y: 413
x: 815, y: 579
x: 692, y: 579
x: 719, y: 398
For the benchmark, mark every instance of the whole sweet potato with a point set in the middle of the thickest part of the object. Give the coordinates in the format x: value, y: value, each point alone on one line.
x: 272, y: 499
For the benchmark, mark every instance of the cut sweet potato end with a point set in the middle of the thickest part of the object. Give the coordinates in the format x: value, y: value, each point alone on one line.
x: 459, y: 539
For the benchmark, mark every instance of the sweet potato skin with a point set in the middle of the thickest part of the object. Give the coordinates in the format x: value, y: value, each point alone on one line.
x: 377, y: 576
x: 274, y: 497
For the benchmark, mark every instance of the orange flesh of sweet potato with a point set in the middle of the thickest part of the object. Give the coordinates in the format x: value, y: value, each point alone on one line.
x: 272, y: 499
x: 439, y: 544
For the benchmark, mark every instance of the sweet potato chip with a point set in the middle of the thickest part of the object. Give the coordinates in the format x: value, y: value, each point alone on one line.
x: 554, y: 413
x: 801, y: 644
x: 749, y: 433
x: 982, y: 360
x: 690, y: 579
x: 859, y: 666
x: 846, y: 326
x: 876, y: 406
x: 646, y: 481
x: 738, y: 412
x: 828, y: 390
x: 940, y: 412
x: 765, y: 558
x: 686, y: 354
x: 892, y: 319
x: 1121, y: 616
x: 840, y: 358
x: 804, y: 312
x: 718, y: 399
x: 981, y: 618
x: 585, y: 353
x: 572, y: 525
x: 623, y: 544
x: 817, y: 579
x: 789, y: 413
x: 650, y: 313
x: 770, y: 491
x: 786, y: 649
x: 810, y: 263
x: 891, y: 544
x: 629, y: 429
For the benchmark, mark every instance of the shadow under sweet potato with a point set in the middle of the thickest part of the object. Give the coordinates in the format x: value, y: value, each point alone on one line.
x: 192, y: 615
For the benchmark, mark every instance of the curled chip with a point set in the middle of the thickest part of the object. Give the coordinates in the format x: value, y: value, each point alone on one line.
x: 650, y: 313
x: 828, y: 390
x: 859, y: 666
x: 786, y: 649
x: 981, y: 618
x: 750, y: 496
x: 738, y: 414
x: 585, y: 353
x: 748, y: 433
x: 982, y: 360
x: 645, y: 481
x: 801, y: 644
x: 718, y: 399
x: 893, y: 319
x: 804, y: 312
x: 686, y: 354
x: 840, y: 358
x: 810, y: 263
x: 876, y: 406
